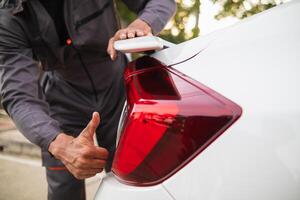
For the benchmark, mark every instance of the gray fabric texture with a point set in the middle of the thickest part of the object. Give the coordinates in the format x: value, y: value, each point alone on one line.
x: 63, y: 186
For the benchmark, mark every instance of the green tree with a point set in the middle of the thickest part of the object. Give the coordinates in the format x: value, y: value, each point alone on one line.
x: 244, y: 8
x: 176, y: 30
x: 180, y: 29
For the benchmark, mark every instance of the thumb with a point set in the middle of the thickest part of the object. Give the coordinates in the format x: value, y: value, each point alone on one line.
x: 90, y: 129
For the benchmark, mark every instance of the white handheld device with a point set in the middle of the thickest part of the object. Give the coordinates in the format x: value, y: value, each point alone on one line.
x: 141, y: 44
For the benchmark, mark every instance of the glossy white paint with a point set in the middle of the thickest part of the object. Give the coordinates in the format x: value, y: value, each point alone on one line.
x: 255, y: 63
x: 183, y: 51
x: 110, y: 188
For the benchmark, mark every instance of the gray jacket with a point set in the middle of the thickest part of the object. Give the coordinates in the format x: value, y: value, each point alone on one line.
x: 90, y: 24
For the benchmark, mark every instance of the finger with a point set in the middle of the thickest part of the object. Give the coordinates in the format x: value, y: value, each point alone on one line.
x: 90, y: 130
x: 110, y: 46
x: 140, y: 33
x: 88, y: 163
x: 102, y: 153
x: 111, y: 50
x: 83, y: 176
x: 131, y: 33
x: 96, y: 153
x: 82, y: 173
x: 88, y: 174
x: 97, y: 164
x: 94, y: 123
x: 73, y: 171
x: 123, y: 34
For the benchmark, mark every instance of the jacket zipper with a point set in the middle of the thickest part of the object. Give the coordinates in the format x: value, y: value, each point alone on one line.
x: 85, y: 20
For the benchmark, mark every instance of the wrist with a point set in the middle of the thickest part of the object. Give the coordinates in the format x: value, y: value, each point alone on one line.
x: 57, y: 146
x: 153, y: 21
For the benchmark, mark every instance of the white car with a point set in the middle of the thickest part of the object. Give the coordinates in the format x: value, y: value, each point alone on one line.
x: 214, y: 118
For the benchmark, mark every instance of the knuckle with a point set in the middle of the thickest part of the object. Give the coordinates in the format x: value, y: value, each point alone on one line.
x: 77, y: 165
x: 119, y: 31
x: 122, y: 34
x: 81, y: 163
x: 86, y: 152
x: 76, y: 176
x: 130, y: 29
x: 80, y: 173
x: 76, y: 173
x: 74, y: 160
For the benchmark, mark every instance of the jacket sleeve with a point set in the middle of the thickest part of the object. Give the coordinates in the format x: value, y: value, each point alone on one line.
x: 22, y: 96
x: 156, y: 13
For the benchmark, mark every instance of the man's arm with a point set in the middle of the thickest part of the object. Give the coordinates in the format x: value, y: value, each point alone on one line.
x: 23, y: 99
x: 153, y: 15
x: 156, y: 13
x: 22, y: 96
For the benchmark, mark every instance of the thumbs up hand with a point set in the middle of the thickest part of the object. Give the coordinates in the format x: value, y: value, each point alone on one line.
x: 79, y: 155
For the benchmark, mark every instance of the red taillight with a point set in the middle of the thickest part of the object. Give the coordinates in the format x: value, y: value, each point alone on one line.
x: 171, y: 118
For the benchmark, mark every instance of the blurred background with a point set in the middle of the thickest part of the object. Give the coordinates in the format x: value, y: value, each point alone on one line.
x: 21, y: 174
x: 200, y: 17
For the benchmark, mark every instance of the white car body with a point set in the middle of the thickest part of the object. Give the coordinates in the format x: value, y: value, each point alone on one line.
x: 256, y: 64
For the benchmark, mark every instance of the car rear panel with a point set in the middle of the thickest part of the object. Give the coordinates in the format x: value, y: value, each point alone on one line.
x: 256, y: 65
x: 111, y: 189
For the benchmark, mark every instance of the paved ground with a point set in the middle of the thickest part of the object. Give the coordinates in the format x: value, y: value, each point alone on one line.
x: 24, y: 179
x: 21, y: 181
x: 5, y: 123
x: 21, y: 174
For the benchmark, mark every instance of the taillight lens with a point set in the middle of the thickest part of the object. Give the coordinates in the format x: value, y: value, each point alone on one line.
x: 170, y: 119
